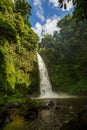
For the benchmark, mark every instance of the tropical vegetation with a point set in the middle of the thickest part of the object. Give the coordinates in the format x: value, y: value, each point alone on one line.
x: 18, y: 43
x: 65, y: 54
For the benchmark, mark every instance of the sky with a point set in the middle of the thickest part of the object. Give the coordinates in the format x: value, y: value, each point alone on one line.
x: 46, y: 14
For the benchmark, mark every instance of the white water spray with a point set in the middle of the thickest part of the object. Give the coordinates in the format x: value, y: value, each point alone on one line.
x: 45, y: 85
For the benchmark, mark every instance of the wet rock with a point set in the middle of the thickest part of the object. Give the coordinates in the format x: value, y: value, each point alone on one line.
x: 82, y: 117
x: 70, y: 108
x: 3, y: 115
x: 30, y: 111
x: 51, y: 103
x: 79, y: 124
x: 59, y: 107
x: 14, y: 112
x: 31, y: 114
x: 7, y: 120
x: 48, y: 105
x: 13, y: 105
x: 71, y: 125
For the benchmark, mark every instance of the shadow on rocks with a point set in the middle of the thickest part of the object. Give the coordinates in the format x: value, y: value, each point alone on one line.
x: 4, y: 117
x: 79, y: 124
x: 30, y: 110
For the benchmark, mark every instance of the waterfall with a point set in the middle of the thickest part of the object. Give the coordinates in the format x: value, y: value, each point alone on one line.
x: 45, y: 85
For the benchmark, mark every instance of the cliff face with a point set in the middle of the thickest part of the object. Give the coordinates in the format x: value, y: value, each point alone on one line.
x: 18, y: 42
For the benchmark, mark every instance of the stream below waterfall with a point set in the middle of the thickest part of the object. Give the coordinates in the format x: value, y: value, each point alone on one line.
x: 53, y: 115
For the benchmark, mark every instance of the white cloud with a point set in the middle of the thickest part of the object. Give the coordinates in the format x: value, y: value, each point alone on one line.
x: 40, y: 15
x: 36, y: 2
x: 38, y: 29
x: 48, y: 28
x: 51, y: 25
x: 54, y: 2
x: 68, y: 4
x: 39, y: 10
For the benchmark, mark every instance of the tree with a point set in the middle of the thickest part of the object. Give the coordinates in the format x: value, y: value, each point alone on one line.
x: 80, y: 12
x: 23, y: 7
x: 46, y: 41
x: 6, y: 5
x: 7, y: 31
x: 65, y: 56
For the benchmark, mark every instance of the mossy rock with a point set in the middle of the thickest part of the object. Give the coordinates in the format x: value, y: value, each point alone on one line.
x: 18, y: 123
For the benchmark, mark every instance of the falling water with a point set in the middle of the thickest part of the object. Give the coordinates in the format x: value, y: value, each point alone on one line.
x: 45, y: 85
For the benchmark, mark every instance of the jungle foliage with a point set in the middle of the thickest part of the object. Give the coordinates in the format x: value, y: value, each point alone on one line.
x: 80, y: 8
x: 65, y: 54
x: 18, y: 43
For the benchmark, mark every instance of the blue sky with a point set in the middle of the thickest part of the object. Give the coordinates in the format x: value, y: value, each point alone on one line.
x: 46, y: 14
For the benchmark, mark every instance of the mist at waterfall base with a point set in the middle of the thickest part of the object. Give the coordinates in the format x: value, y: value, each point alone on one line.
x: 45, y: 85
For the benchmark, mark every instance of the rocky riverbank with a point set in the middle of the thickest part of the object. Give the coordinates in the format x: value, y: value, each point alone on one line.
x: 7, y: 110
x: 45, y: 114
